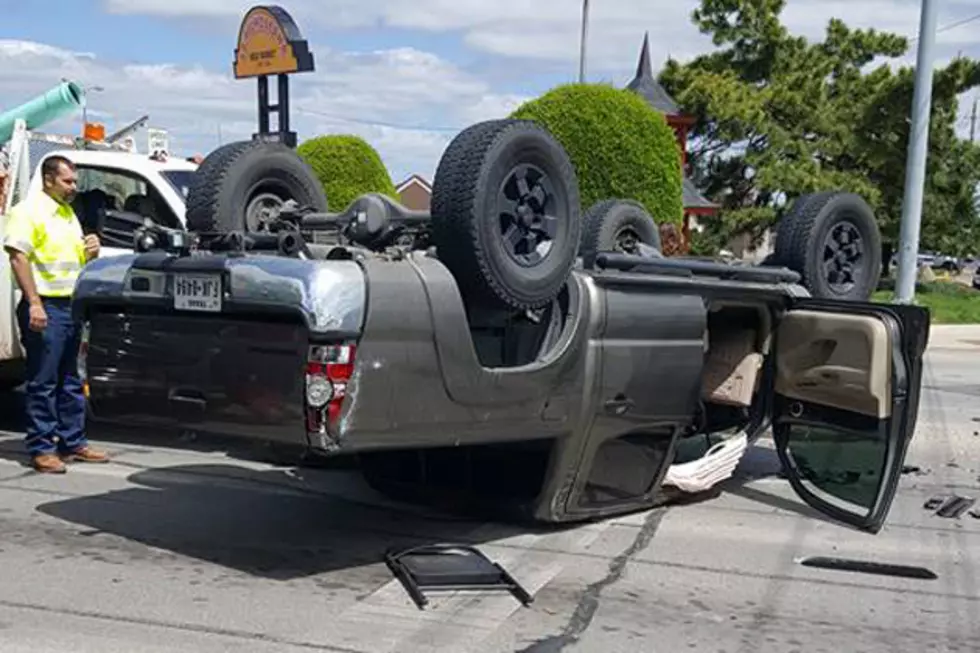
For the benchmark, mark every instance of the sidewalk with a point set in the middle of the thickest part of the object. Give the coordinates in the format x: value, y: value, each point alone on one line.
x: 955, y: 336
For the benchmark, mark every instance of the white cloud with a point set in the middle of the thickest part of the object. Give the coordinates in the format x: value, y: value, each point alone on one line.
x: 393, y: 98
x: 550, y: 30
x: 388, y: 96
x: 545, y: 35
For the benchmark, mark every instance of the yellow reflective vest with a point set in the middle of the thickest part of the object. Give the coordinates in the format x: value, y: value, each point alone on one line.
x: 48, y: 232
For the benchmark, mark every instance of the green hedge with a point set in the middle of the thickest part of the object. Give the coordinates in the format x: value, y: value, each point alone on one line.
x: 347, y: 166
x: 621, y: 147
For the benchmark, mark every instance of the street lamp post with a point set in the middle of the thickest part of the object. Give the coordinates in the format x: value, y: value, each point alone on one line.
x: 918, y: 150
x: 585, y: 33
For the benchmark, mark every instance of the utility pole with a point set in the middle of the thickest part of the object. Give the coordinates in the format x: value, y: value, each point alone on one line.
x: 918, y: 151
x: 585, y: 34
x: 973, y: 121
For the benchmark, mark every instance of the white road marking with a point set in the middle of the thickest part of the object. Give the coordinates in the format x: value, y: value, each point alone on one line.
x: 458, y: 621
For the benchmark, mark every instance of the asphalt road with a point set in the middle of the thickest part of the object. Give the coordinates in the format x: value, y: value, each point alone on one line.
x: 178, y: 546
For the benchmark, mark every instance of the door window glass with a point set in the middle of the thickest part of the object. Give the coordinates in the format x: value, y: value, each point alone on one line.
x: 843, y: 468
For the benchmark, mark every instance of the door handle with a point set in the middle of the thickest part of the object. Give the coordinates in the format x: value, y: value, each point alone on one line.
x: 188, y: 396
x: 619, y: 404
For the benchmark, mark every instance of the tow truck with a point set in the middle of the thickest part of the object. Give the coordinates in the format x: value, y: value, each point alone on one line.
x: 503, y: 350
x: 118, y: 190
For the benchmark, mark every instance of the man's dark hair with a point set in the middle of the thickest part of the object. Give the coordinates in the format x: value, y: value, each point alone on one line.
x: 52, y: 164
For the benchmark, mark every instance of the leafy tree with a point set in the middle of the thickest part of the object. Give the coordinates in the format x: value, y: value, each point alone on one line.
x: 778, y: 116
x: 620, y: 146
x: 347, y: 166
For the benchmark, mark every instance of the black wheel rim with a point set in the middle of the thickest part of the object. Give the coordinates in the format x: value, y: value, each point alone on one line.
x: 843, y: 257
x: 626, y: 241
x: 262, y: 209
x: 526, y: 205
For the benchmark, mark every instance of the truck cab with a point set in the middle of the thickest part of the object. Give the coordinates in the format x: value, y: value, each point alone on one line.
x: 128, y: 188
x: 128, y: 184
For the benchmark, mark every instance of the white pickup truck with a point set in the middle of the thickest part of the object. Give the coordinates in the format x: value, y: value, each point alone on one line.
x: 124, y: 185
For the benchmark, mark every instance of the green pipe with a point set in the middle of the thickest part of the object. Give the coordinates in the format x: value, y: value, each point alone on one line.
x: 59, y: 101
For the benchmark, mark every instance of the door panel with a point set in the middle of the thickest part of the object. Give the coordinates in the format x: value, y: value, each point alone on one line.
x: 836, y: 360
x: 846, y: 396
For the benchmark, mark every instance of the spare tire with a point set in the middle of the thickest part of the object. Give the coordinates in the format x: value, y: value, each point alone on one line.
x: 786, y: 233
x: 241, y: 185
x: 832, y: 240
x: 505, y: 214
x: 617, y: 226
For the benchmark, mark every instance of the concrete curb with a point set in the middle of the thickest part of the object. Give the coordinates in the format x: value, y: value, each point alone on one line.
x: 964, y: 337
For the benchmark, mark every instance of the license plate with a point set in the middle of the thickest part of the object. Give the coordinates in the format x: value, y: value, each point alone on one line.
x: 197, y: 292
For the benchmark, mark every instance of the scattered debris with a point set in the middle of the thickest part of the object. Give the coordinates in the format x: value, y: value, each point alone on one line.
x: 975, y: 514
x: 450, y: 567
x: 934, y: 502
x: 950, y: 506
x: 955, y: 507
x: 867, y: 567
x: 914, y: 469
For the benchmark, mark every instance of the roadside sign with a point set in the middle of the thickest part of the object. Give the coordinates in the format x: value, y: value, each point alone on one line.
x: 270, y: 43
x: 158, y: 141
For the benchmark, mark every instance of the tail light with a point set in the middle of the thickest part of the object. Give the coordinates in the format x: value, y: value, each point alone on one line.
x: 328, y: 371
x: 83, y: 358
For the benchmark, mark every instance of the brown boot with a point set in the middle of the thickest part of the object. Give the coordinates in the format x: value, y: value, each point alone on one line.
x: 87, y: 455
x: 48, y: 463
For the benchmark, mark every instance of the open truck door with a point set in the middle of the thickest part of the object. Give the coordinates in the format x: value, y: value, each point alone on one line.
x: 846, y: 384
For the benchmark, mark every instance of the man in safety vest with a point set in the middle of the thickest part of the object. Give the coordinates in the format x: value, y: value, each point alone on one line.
x: 47, y: 251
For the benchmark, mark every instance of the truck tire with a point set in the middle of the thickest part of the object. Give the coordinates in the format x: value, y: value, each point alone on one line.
x: 786, y: 233
x: 239, y: 185
x: 832, y: 240
x: 500, y: 180
x: 616, y: 226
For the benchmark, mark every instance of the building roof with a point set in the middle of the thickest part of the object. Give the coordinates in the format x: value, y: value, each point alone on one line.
x: 414, y: 179
x: 646, y: 85
x: 693, y: 199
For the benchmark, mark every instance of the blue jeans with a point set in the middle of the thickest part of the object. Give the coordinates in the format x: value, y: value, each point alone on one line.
x: 54, y: 399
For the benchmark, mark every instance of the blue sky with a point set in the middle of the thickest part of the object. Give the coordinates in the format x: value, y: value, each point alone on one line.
x: 403, y: 75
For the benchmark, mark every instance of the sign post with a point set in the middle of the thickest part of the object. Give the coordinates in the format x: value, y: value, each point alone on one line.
x: 270, y: 43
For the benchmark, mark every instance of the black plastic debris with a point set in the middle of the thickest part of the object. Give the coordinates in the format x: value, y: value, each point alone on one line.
x: 955, y: 507
x: 868, y: 567
x: 449, y: 568
x: 933, y: 503
x: 949, y: 506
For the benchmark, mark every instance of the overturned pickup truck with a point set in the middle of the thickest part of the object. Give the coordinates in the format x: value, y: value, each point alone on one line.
x: 503, y: 348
